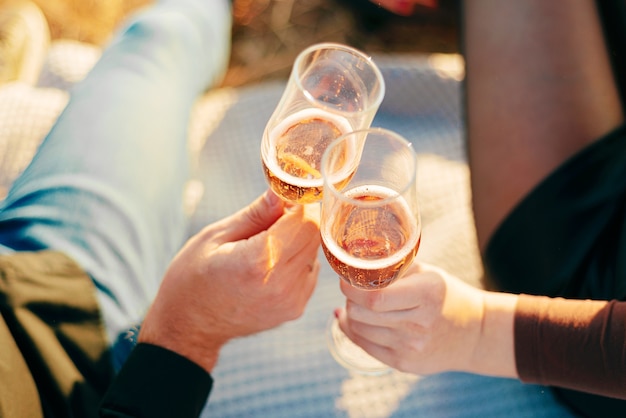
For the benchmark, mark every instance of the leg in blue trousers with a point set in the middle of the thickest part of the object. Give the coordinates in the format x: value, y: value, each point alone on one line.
x: 106, y: 185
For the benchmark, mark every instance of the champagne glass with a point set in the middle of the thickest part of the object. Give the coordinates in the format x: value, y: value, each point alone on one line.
x: 370, y: 222
x: 333, y: 89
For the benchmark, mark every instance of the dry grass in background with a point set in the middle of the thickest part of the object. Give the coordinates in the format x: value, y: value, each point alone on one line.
x: 268, y: 34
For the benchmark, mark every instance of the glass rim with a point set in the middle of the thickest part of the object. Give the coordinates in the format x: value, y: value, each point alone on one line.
x: 329, y: 187
x: 348, y: 49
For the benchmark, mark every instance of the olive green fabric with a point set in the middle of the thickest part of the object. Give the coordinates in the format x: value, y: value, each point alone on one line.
x: 53, y: 339
x: 18, y: 394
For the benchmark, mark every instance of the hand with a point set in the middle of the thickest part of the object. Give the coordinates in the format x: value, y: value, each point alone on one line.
x: 426, y: 322
x: 244, y: 274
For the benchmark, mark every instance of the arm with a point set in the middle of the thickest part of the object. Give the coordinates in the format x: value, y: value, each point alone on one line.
x: 156, y: 382
x: 430, y: 322
x: 574, y: 344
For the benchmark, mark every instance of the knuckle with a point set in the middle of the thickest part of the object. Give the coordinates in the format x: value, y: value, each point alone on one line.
x: 374, y: 300
x: 254, y: 270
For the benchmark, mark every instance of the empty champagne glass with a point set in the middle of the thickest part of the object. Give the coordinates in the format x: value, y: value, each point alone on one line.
x: 370, y: 221
x: 333, y: 89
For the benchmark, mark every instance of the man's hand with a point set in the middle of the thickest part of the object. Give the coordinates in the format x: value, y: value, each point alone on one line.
x: 244, y: 274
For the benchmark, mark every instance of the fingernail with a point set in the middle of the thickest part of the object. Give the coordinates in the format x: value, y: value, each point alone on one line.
x: 337, y: 312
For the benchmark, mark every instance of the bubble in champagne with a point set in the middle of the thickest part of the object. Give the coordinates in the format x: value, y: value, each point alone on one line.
x: 373, y: 233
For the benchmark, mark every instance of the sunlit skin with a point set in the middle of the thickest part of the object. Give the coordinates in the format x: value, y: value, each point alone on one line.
x: 245, y: 274
x: 430, y: 321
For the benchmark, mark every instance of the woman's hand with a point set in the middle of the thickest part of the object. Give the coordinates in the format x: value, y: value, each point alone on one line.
x: 429, y: 321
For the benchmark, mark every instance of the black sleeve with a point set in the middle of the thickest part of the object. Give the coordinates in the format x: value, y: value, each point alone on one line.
x: 155, y: 382
x: 613, y: 18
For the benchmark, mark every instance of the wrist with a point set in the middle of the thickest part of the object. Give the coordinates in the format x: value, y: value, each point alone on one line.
x: 495, y: 352
x: 197, y: 348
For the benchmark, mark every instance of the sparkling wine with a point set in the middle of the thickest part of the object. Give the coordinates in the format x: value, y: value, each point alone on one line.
x: 293, y: 154
x: 370, y: 245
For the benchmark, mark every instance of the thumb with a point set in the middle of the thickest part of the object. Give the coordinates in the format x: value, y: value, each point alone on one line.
x: 254, y: 218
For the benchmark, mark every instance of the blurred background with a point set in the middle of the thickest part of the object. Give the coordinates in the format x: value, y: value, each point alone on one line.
x: 268, y: 34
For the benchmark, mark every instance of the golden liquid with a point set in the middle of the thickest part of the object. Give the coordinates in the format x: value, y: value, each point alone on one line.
x: 377, y: 244
x: 293, y: 193
x: 298, y: 153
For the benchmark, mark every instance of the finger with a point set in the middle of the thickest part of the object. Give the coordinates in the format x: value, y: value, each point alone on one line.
x: 297, y: 274
x: 375, y: 333
x: 361, y: 314
x: 374, y: 340
x: 293, y: 236
x: 259, y: 216
x: 308, y: 284
x: 400, y: 295
x: 280, y: 254
x: 419, y: 283
x: 295, y: 289
x: 307, y: 253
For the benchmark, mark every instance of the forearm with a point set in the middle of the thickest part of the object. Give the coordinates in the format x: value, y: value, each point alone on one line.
x: 156, y: 382
x: 574, y: 344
